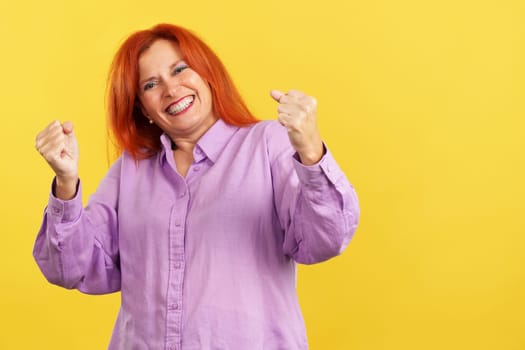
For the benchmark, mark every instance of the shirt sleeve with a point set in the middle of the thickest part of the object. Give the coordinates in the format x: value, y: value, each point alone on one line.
x: 77, y: 247
x: 317, y: 207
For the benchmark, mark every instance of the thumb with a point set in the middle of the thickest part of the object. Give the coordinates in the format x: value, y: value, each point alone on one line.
x: 67, y: 127
x: 277, y: 94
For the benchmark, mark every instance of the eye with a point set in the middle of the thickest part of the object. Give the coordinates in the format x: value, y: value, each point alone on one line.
x: 180, y: 68
x: 149, y: 85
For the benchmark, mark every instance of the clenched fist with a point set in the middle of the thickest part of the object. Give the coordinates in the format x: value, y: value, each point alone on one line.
x: 58, y: 145
x: 298, y: 114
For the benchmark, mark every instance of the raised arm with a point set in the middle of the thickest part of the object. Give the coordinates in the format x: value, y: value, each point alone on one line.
x: 77, y: 247
x: 317, y: 207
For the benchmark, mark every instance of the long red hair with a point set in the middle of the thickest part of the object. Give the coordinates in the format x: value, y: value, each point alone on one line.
x: 130, y: 129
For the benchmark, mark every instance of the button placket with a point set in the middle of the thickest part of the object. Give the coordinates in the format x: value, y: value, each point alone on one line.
x: 176, y: 270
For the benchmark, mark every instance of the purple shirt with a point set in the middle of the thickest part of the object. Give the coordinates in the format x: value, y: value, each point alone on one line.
x: 207, y: 261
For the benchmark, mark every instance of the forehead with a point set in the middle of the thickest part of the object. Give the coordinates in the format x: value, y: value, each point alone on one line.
x: 159, y: 55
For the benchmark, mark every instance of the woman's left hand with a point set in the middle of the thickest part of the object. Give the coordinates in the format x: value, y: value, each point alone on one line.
x: 298, y: 114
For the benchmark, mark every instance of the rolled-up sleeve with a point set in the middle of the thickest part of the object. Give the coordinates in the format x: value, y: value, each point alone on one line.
x: 77, y: 247
x: 317, y: 206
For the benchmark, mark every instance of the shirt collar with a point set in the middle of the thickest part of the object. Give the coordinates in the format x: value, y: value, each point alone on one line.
x: 213, y: 141
x: 210, y: 144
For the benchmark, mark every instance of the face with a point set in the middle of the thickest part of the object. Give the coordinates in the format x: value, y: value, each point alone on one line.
x: 173, y: 95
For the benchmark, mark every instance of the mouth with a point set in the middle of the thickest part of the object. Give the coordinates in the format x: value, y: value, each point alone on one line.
x: 180, y: 106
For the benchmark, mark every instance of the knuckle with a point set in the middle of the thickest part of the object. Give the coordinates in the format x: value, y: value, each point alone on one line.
x: 311, y: 101
x: 304, y: 108
x: 55, y: 127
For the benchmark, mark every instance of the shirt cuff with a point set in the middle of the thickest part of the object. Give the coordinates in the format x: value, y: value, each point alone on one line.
x: 325, y: 171
x: 65, y: 210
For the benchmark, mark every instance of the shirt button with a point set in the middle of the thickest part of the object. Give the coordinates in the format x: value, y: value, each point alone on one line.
x: 197, y: 168
x: 182, y: 194
x: 177, y: 223
x: 174, y: 306
x: 56, y: 210
x: 178, y: 265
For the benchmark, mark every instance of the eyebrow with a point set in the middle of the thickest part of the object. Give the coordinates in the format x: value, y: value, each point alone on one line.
x: 170, y: 68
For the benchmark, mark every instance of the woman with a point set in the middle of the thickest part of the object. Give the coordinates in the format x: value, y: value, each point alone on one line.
x: 201, y: 219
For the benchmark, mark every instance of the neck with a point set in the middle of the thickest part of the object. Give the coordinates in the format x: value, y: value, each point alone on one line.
x: 182, y: 145
x: 186, y: 140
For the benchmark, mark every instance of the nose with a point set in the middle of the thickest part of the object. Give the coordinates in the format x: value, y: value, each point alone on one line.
x: 171, y: 85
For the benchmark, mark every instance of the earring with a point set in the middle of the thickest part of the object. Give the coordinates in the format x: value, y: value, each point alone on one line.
x: 151, y: 121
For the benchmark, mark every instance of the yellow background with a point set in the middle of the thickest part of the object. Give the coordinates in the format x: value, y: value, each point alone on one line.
x: 422, y: 103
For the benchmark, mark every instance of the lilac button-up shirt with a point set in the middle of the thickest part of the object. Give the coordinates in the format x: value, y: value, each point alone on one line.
x: 206, y: 261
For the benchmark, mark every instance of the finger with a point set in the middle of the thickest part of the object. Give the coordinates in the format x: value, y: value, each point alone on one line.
x: 301, y: 98
x: 50, y: 136
x: 294, y: 98
x: 286, y: 120
x: 296, y: 94
x: 283, y: 120
x: 291, y: 109
x: 52, y: 125
x: 67, y: 127
x: 49, y: 128
x: 48, y: 139
x: 52, y: 148
x: 310, y: 102
x: 277, y: 94
x: 305, y: 103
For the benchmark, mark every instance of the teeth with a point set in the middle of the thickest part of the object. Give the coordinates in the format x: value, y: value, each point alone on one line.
x: 180, y: 106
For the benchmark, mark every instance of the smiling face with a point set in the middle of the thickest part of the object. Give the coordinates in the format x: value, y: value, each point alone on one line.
x: 173, y: 95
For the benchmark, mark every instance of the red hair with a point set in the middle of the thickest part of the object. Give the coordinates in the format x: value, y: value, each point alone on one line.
x: 128, y: 125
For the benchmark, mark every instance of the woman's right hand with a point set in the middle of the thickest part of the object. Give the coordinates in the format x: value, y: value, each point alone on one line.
x: 58, y: 145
